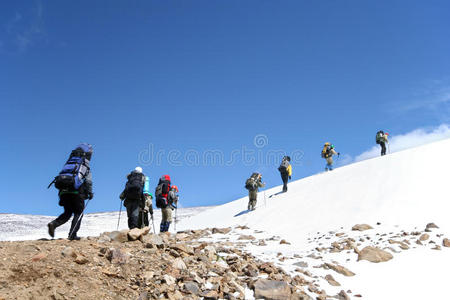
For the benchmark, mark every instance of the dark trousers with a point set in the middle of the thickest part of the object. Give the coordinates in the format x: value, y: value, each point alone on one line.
x: 285, y: 178
x: 383, y: 148
x: 132, y: 213
x: 73, y: 204
x: 143, y: 219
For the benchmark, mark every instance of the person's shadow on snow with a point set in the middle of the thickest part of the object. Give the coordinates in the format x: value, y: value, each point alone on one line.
x: 276, y: 194
x: 242, y: 213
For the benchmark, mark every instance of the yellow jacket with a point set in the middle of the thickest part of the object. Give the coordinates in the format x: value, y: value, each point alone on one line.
x: 289, y: 170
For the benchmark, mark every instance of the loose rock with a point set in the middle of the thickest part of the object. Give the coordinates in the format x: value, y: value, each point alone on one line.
x: 374, y: 254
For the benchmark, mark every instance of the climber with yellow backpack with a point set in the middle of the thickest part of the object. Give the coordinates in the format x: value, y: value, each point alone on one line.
x: 327, y: 153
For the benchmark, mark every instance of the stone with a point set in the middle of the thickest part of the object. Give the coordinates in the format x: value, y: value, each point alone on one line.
x: 424, y: 237
x: 446, y: 242
x: 331, y: 280
x: 431, y: 226
x: 192, y: 287
x: 182, y: 248
x: 271, y: 289
x: 135, y: 233
x: 104, y: 239
x: 300, y: 296
x: 119, y: 236
x: 179, y: 264
x: 81, y: 260
x: 210, y: 295
x: 340, y: 269
x: 174, y: 253
x: 247, y: 237
x: 169, y: 279
x: 148, y: 275
x: 301, y: 264
x: 152, y: 240
x: 69, y: 252
x: 361, y: 227
x: 342, y: 296
x: 284, y: 242
x: 117, y: 256
x: 221, y: 230
x: 39, y: 256
x: 210, y: 252
x: 374, y: 254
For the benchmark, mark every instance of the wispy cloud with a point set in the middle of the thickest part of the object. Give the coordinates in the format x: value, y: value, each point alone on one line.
x: 417, y: 137
x: 432, y: 97
x: 25, y: 29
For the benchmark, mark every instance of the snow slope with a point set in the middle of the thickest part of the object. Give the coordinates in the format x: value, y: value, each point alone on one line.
x: 31, y: 227
x: 404, y: 188
x: 403, y: 191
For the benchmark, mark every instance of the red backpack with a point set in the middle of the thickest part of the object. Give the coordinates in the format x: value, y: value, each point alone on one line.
x: 162, y: 192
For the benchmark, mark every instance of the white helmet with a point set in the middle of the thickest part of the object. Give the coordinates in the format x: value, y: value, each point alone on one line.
x: 138, y: 170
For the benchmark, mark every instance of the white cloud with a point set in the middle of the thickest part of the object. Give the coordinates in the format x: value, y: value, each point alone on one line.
x: 27, y: 28
x: 408, y: 140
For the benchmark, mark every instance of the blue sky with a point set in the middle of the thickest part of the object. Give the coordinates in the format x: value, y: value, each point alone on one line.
x: 185, y: 78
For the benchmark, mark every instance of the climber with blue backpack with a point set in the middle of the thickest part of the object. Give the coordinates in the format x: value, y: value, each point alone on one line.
x: 74, y: 183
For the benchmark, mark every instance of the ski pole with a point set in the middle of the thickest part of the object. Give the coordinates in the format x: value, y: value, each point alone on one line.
x: 389, y: 149
x: 120, y: 212
x: 79, y: 218
x: 265, y: 201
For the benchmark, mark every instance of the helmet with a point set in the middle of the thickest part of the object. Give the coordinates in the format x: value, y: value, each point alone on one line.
x: 327, y: 144
x: 174, y: 187
x: 138, y: 170
x: 332, y: 147
x: 386, y: 133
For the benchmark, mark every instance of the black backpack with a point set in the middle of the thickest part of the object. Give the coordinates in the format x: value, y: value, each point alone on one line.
x: 284, y: 166
x: 326, y: 152
x: 162, y: 192
x: 134, y: 186
x: 379, y: 136
x: 251, y: 184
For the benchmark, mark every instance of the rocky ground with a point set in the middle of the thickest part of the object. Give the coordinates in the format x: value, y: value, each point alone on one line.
x: 324, y: 265
x: 198, y: 264
x: 138, y: 265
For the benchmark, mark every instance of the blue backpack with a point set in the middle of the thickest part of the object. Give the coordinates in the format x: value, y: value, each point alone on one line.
x: 147, y: 186
x: 76, y: 169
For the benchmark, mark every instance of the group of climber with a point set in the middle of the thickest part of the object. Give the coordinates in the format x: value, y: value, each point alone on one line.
x: 74, y: 183
x: 138, y: 200
x: 328, y: 151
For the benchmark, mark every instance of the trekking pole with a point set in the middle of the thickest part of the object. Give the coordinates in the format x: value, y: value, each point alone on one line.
x: 175, y: 224
x: 120, y: 212
x: 153, y: 223
x: 389, y: 148
x: 79, y: 218
x: 265, y: 201
x: 142, y: 219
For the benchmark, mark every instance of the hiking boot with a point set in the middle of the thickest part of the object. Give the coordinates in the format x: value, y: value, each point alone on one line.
x: 51, y: 229
x: 74, y: 238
